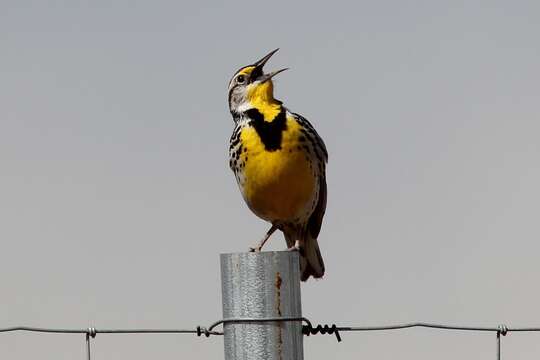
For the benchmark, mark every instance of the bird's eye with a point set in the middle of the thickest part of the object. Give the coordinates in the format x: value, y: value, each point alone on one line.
x: 240, y: 79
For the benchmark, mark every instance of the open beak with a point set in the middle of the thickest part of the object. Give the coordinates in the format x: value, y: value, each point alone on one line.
x: 258, y: 71
x: 266, y: 77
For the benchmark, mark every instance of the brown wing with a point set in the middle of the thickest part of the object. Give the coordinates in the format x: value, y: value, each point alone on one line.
x: 321, y: 154
x: 316, y: 218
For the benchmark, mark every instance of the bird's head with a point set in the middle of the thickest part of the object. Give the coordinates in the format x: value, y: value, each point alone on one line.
x: 251, y: 88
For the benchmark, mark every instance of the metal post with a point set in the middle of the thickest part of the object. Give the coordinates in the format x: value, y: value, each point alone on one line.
x: 498, y: 345
x: 257, y: 286
x: 88, y: 356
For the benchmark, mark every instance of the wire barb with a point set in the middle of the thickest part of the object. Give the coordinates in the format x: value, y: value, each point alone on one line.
x: 202, y: 330
x: 91, y: 332
x: 310, y: 330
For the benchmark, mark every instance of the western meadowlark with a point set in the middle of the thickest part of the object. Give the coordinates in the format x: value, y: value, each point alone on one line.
x: 279, y: 162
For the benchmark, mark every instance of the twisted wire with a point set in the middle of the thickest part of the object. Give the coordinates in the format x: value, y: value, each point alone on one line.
x: 207, y: 331
x: 307, y: 329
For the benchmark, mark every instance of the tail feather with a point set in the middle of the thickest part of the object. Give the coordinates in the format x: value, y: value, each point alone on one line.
x: 314, y: 262
x: 311, y: 261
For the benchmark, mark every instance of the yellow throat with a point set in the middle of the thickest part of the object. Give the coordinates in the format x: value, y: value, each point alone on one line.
x: 261, y: 97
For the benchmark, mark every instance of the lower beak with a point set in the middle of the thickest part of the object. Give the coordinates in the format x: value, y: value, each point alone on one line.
x: 265, y: 77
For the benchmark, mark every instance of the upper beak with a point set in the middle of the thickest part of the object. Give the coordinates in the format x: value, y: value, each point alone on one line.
x: 259, y: 64
x: 262, y: 77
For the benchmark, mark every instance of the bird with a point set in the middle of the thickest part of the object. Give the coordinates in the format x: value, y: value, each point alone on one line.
x: 279, y: 162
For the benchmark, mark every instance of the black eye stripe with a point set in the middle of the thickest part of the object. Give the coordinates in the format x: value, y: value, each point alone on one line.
x: 256, y: 73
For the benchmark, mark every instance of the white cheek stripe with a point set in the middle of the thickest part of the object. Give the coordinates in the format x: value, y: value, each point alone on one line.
x: 244, y: 107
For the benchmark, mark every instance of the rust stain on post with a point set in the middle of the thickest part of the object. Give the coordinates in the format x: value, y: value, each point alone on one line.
x: 278, y: 288
x: 278, y: 306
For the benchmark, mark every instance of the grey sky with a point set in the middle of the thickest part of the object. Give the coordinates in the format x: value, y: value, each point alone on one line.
x: 117, y: 198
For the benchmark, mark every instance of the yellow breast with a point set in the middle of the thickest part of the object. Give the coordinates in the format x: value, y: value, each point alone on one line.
x: 280, y: 184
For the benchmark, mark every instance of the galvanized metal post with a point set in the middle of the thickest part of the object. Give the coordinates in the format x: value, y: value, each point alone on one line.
x: 261, y: 285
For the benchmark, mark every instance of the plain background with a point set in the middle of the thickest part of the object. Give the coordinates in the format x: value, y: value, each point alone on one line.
x: 116, y: 197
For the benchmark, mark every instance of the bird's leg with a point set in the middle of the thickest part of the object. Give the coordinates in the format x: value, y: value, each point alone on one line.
x: 259, y: 246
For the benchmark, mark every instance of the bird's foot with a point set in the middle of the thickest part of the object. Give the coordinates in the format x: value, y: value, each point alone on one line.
x: 255, y: 249
x: 295, y: 247
x: 261, y: 243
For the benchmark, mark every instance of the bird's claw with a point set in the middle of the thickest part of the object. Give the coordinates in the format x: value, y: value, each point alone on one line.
x: 295, y: 247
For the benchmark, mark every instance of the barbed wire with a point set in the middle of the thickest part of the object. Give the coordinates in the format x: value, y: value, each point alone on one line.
x: 307, y: 329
